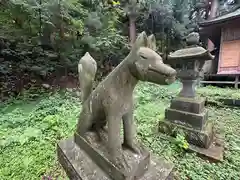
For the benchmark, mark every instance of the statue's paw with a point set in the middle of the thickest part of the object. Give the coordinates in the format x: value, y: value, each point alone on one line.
x: 135, y: 149
x: 170, y: 80
x: 132, y: 147
x: 121, y: 162
x: 104, y: 128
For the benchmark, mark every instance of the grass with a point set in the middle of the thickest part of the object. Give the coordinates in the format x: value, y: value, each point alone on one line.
x: 29, y: 131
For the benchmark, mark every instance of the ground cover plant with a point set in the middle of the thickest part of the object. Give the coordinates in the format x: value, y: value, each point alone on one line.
x: 41, y: 43
x: 32, y: 124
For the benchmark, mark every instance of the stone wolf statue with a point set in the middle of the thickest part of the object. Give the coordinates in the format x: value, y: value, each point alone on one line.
x: 111, y: 102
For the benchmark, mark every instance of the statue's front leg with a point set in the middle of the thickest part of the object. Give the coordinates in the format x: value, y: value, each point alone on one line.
x: 85, y: 121
x: 130, y: 132
x: 114, y: 141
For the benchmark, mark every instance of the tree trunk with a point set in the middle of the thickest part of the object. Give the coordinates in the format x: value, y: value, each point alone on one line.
x: 61, y: 29
x: 132, y: 29
x: 132, y: 15
x: 214, y: 8
x: 213, y: 13
x: 209, y: 66
x: 40, y: 19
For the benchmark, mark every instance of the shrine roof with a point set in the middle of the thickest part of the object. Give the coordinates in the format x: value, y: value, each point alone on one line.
x: 221, y: 19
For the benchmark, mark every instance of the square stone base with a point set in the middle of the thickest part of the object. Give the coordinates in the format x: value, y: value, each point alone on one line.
x: 215, y: 150
x: 187, y: 119
x: 201, y: 138
x: 192, y: 105
x: 203, y: 142
x: 79, y: 166
x: 95, y: 145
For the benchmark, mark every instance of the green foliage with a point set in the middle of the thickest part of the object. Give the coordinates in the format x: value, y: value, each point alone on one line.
x: 181, y: 141
x: 167, y: 20
x: 217, y: 93
x: 32, y: 124
x: 43, y: 38
x: 171, y: 20
x: 29, y: 131
x: 28, y: 139
x: 188, y: 165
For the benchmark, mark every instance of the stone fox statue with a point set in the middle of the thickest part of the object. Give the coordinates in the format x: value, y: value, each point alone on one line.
x: 111, y: 102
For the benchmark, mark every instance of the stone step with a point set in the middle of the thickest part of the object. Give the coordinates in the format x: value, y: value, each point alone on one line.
x: 192, y: 105
x: 201, y: 138
x: 79, y: 166
x: 95, y: 145
x: 187, y: 119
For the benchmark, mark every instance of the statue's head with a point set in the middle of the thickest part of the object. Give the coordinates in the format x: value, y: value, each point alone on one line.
x: 147, y: 64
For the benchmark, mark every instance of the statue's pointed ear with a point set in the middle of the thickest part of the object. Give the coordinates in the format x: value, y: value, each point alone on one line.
x: 87, y: 54
x: 141, y: 41
x: 151, y: 42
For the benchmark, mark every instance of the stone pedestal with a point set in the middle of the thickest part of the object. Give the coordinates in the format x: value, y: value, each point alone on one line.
x: 187, y: 112
x: 189, y: 116
x: 87, y: 159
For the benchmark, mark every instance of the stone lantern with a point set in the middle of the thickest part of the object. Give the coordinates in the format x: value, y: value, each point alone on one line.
x: 191, y: 61
x: 187, y: 112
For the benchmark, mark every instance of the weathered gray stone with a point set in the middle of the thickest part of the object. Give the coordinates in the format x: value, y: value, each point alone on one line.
x: 188, y: 88
x: 214, y: 151
x: 87, y: 68
x: 111, y: 104
x: 204, y: 142
x: 95, y: 146
x: 193, y: 39
x: 202, y: 138
x: 152, y: 42
x: 192, y: 105
x: 187, y: 113
x: 193, y: 52
x: 187, y: 119
x: 191, y: 59
x: 79, y: 166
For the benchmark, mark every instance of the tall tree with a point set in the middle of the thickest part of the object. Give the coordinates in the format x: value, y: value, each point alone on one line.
x: 132, y: 8
x: 213, y: 13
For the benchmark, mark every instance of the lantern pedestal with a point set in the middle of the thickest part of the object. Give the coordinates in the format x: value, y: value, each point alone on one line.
x: 187, y: 112
x: 197, y: 139
x: 189, y: 116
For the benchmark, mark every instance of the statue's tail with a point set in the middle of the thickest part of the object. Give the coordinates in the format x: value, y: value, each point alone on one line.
x: 87, y: 68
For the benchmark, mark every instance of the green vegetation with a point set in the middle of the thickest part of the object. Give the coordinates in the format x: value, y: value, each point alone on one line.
x: 31, y: 125
x: 41, y: 41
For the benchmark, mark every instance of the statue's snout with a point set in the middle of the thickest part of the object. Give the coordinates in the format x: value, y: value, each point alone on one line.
x: 172, y: 72
x: 165, y: 69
